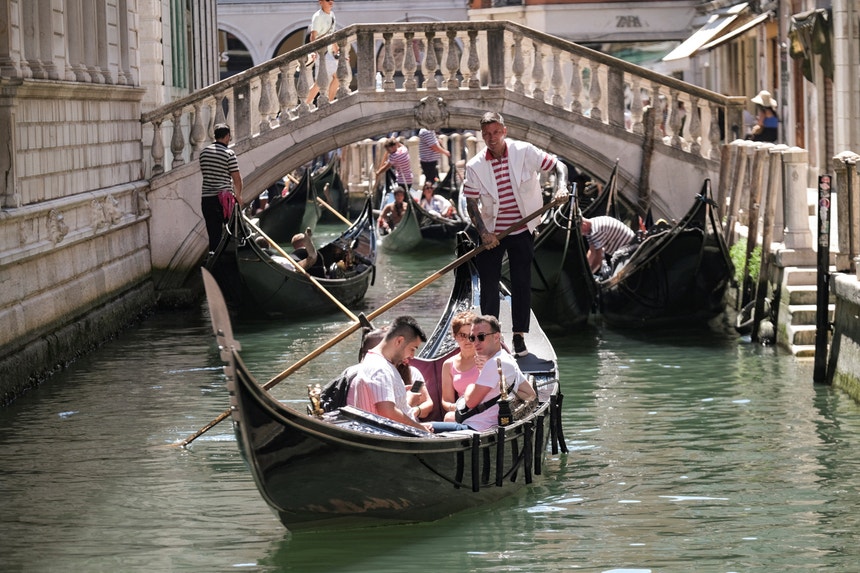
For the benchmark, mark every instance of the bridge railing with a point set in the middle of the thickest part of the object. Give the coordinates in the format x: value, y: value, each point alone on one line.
x: 466, y: 57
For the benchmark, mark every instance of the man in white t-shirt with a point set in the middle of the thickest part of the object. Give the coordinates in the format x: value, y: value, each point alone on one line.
x: 378, y: 387
x: 487, y: 337
x: 323, y: 24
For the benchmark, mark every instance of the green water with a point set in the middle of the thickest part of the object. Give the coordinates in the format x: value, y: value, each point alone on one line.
x: 688, y: 452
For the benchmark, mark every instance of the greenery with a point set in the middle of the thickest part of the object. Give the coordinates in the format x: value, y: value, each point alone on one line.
x: 738, y: 252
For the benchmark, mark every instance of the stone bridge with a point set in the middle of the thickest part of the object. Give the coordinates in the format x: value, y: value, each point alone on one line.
x: 572, y: 101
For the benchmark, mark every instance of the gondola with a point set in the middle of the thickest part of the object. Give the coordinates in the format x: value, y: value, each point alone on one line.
x: 677, y: 276
x: 257, y: 285
x: 287, y: 215
x: 329, y: 187
x: 564, y: 293
x: 349, y: 468
x: 435, y: 227
x: 406, y: 235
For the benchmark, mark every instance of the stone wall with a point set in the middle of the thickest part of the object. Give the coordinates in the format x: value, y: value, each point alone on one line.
x: 74, y: 244
x: 844, y: 368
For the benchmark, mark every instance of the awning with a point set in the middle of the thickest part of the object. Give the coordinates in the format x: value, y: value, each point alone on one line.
x: 716, y: 23
x: 734, y: 33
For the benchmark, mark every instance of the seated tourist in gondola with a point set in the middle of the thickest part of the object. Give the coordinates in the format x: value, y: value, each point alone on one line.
x: 478, y: 407
x: 393, y: 213
x: 605, y: 235
x: 435, y: 204
x: 306, y: 258
x: 305, y: 254
x: 461, y: 369
x: 417, y: 396
x: 378, y: 386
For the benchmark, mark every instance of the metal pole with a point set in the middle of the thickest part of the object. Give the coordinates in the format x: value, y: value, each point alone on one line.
x: 822, y: 314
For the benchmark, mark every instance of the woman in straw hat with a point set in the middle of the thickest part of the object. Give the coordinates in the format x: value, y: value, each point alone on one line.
x: 767, y: 122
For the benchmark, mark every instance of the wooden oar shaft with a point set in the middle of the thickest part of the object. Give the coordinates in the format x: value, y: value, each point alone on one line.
x: 334, y: 211
x: 385, y: 307
x: 303, y: 271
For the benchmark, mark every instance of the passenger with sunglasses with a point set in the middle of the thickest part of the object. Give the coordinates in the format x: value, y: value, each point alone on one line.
x: 486, y: 337
x: 461, y: 369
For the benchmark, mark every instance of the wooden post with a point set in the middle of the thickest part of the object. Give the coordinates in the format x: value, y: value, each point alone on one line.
x: 822, y: 311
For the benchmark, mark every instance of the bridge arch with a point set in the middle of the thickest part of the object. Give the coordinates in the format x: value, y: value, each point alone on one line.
x: 561, y: 96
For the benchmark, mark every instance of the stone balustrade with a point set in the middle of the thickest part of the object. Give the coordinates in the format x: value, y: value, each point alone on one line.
x: 467, y: 57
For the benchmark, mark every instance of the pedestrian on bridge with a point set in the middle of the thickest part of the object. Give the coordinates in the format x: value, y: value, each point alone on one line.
x: 323, y: 24
x: 502, y: 186
x: 222, y: 183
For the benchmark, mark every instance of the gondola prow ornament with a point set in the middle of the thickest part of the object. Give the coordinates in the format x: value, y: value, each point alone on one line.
x: 505, y: 415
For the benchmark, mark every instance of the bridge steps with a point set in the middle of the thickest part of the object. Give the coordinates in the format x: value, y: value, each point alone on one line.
x: 799, y: 309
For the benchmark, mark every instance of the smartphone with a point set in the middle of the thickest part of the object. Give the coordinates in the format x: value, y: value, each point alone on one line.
x: 417, y: 385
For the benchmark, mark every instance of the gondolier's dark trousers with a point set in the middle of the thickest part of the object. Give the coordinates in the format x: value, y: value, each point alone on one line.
x: 213, y: 214
x: 520, y: 249
x: 430, y: 169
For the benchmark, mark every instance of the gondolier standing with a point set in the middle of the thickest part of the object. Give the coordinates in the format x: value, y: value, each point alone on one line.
x: 502, y: 186
x: 222, y: 184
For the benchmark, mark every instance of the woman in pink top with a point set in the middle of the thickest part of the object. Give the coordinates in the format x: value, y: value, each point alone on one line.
x: 461, y: 369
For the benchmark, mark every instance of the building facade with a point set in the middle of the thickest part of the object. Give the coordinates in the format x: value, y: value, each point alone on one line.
x: 75, y: 76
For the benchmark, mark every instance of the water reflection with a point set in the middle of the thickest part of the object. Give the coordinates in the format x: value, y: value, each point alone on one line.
x: 691, y: 452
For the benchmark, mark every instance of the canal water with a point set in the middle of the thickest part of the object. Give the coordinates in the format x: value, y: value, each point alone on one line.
x: 693, y: 451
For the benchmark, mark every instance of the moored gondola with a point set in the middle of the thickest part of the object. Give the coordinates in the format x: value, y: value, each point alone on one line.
x: 564, y: 293
x: 287, y: 215
x: 352, y: 468
x: 258, y: 283
x: 677, y: 276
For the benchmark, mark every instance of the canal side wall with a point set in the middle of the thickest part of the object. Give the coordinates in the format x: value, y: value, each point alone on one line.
x: 844, y: 363
x: 74, y: 241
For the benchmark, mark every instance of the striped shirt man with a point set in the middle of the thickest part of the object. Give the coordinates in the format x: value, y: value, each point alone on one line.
x: 217, y: 162
x: 609, y: 234
x: 399, y: 160
x: 427, y: 141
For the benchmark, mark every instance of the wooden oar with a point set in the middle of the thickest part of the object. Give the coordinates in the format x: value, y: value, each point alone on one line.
x: 334, y: 211
x: 301, y: 270
x: 385, y: 307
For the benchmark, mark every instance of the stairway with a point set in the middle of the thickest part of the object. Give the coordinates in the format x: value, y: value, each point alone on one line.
x: 797, y: 314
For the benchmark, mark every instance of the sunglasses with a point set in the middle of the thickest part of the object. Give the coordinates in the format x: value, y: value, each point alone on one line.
x: 462, y: 336
x: 480, y: 336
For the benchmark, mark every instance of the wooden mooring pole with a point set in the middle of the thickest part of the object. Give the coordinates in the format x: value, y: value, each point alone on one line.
x: 822, y: 310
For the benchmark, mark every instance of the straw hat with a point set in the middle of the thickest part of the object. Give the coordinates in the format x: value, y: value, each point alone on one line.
x: 764, y: 99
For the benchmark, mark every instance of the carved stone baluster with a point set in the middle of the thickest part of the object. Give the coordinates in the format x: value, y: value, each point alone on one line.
x: 219, y: 114
x: 388, y: 62
x: 675, y: 118
x: 430, y: 62
x: 410, y: 65
x: 286, y: 92
x: 198, y: 132
x: 303, y: 87
x: 714, y: 132
x: 575, y: 86
x: 594, y: 92
x: 556, y: 79
x: 266, y: 106
x: 518, y: 66
x: 695, y: 128
x: 636, y: 107
x: 344, y: 71
x: 657, y: 105
x: 452, y: 62
x: 474, y: 61
x: 322, y: 78
x: 537, y: 73
x: 177, y: 141
x: 156, y: 151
